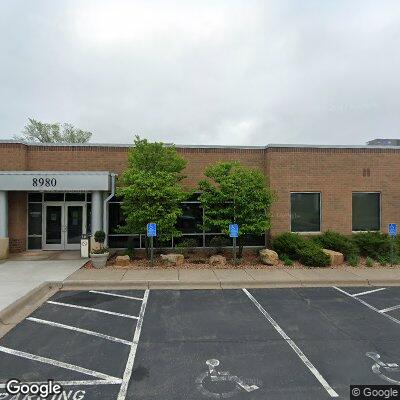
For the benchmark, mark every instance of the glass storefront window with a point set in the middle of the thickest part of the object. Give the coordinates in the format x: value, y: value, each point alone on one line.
x: 34, y: 243
x: 75, y: 196
x: 54, y: 197
x: 35, y: 197
x: 123, y: 242
x: 305, y: 212
x: 34, y: 218
x: 366, y: 211
x: 116, y: 217
x: 192, y: 218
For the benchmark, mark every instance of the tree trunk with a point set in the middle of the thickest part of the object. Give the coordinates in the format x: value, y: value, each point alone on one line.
x: 240, y: 244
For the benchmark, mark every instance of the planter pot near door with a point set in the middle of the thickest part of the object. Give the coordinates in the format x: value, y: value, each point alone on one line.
x: 99, y: 260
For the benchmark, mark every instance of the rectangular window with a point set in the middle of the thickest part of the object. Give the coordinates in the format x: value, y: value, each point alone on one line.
x: 191, y: 219
x: 366, y: 211
x: 305, y: 212
x: 34, y: 221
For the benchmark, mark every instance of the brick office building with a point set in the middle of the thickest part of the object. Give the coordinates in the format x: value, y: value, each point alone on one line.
x: 52, y: 194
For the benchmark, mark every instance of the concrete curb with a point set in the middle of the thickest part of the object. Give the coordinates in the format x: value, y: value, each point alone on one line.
x: 20, y: 309
x: 24, y: 306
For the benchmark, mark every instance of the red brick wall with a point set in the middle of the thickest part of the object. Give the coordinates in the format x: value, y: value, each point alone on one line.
x: 198, y: 159
x: 336, y: 173
x: 17, y: 220
x: 13, y: 157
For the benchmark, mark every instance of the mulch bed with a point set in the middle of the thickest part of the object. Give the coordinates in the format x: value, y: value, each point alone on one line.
x: 196, y: 261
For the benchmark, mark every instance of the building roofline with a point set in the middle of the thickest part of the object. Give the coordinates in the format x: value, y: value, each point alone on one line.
x: 186, y: 146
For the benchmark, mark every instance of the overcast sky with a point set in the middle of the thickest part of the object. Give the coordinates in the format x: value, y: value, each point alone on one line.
x: 232, y: 72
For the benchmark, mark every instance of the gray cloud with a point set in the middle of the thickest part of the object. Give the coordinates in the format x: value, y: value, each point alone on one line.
x: 203, y: 72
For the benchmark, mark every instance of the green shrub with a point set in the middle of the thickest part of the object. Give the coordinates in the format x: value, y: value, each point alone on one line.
x: 288, y: 244
x: 372, y: 244
x: 286, y: 260
x: 299, y: 248
x: 99, y: 236
x: 337, y: 242
x: 219, y: 242
x: 130, y: 251
x: 186, y: 246
x: 187, y: 243
x: 369, y: 262
x: 353, y: 260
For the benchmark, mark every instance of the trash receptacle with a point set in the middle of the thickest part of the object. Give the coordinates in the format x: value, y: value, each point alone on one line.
x: 85, y: 246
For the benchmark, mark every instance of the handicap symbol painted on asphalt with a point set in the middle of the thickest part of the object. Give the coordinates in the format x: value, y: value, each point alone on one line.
x: 221, y: 384
x: 383, y: 369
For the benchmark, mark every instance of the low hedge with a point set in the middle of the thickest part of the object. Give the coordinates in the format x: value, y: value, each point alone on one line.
x: 374, y: 244
x: 297, y: 247
x: 337, y: 242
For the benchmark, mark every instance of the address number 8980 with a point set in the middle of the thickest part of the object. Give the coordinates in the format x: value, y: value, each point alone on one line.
x: 46, y: 182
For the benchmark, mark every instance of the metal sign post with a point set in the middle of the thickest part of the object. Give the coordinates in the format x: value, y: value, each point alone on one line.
x: 151, y: 232
x: 392, y: 229
x: 234, y: 233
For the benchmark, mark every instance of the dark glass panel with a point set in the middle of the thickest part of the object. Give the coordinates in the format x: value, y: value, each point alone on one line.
x: 305, y: 212
x: 123, y: 242
x: 75, y: 196
x: 35, y: 197
x: 192, y: 218
x: 74, y: 230
x: 115, y: 217
x: 34, y: 243
x: 366, y: 211
x: 53, y: 224
x: 34, y: 219
x: 54, y: 197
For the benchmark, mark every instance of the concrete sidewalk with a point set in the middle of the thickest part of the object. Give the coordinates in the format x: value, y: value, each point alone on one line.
x: 18, y: 278
x: 234, y: 278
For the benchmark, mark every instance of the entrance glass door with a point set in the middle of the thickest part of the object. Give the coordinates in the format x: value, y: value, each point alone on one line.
x: 54, y: 235
x: 74, y: 225
x: 64, y: 224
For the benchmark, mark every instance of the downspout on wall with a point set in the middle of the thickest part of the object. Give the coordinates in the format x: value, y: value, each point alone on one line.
x: 105, y: 207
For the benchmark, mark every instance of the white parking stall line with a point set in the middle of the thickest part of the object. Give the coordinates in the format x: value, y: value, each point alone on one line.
x: 385, y: 310
x: 367, y: 292
x: 368, y: 305
x: 293, y: 345
x: 60, y: 364
x: 116, y: 295
x: 80, y: 330
x: 91, y: 309
x: 75, y: 383
x: 131, y: 358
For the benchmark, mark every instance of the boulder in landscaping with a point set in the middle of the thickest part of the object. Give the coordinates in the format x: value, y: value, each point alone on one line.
x: 173, y: 259
x: 122, y: 261
x: 217, y: 260
x: 269, y: 257
x: 336, y: 257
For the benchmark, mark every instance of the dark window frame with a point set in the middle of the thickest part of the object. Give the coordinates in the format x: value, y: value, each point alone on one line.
x: 380, y: 212
x: 320, y: 212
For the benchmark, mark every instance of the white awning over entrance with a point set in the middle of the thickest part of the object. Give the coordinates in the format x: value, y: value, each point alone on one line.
x: 49, y: 181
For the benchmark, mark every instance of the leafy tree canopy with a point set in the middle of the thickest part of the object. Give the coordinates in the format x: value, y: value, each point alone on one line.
x: 236, y: 194
x: 36, y: 131
x: 151, y: 188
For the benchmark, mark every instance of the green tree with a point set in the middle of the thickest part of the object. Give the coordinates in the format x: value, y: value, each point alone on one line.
x: 236, y: 194
x: 36, y: 131
x: 151, y: 188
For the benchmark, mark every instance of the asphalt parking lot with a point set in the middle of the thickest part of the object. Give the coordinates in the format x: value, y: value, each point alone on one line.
x: 298, y: 343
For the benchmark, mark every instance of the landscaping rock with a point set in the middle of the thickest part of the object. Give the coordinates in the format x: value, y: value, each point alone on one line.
x: 217, y: 260
x: 336, y: 257
x: 269, y: 257
x: 173, y: 259
x: 122, y: 261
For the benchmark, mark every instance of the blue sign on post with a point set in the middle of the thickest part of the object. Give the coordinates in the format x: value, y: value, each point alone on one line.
x: 392, y: 229
x: 151, y: 230
x: 233, y: 230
